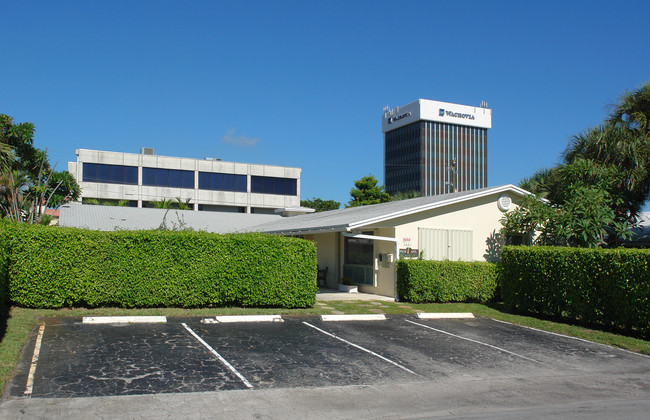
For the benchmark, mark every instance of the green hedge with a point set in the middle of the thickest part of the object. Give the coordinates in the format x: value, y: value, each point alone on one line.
x: 446, y: 281
x: 4, y: 278
x: 59, y: 267
x: 604, y: 286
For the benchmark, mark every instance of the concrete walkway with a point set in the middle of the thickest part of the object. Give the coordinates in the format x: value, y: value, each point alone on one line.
x: 331, y: 294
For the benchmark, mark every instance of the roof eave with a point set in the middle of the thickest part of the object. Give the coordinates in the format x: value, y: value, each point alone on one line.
x: 308, y: 231
x: 402, y: 213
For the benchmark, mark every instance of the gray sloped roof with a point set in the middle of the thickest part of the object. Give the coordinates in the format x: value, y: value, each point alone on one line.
x: 130, y: 218
x: 356, y: 217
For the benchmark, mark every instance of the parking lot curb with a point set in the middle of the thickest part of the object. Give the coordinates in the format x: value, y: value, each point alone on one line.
x: 444, y: 315
x: 359, y: 317
x: 124, y: 319
x: 243, y: 318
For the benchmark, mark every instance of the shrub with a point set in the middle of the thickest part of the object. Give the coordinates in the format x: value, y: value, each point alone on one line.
x: 59, y: 267
x: 4, y: 278
x: 445, y: 281
x: 605, y: 286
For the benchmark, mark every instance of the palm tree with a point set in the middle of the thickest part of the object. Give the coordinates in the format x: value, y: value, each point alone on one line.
x: 632, y: 111
x: 543, y: 183
x: 13, y: 185
x: 622, y: 143
x: 162, y: 204
x: 183, y: 204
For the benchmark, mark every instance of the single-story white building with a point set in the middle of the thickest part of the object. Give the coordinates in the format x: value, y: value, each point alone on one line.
x: 363, y: 243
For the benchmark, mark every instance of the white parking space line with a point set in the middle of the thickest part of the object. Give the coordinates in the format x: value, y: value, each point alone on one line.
x: 221, y: 359
x: 362, y: 348
x: 571, y: 337
x: 248, y: 318
x: 473, y: 341
x: 360, y: 317
x: 444, y: 315
x: 32, y: 369
x: 124, y: 319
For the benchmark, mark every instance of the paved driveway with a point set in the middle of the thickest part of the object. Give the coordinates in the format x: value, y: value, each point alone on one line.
x: 418, y: 367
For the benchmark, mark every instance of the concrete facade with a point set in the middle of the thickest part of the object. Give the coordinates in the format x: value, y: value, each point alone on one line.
x: 201, y: 199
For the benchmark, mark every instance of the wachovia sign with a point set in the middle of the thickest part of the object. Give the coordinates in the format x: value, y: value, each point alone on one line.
x: 442, y: 113
x: 398, y: 117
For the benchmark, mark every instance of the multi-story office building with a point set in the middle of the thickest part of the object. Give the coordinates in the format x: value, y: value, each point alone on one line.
x: 435, y: 147
x: 208, y: 184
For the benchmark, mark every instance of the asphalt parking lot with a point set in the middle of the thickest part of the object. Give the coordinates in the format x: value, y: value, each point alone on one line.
x: 186, y: 355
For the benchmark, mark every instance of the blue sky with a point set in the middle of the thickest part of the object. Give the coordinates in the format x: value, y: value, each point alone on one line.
x: 304, y: 83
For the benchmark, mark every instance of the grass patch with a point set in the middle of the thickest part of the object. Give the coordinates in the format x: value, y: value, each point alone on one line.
x: 21, y: 321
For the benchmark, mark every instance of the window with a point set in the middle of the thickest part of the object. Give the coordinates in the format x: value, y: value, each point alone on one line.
x: 359, y: 260
x: 158, y: 177
x: 272, y: 185
x: 111, y: 174
x: 358, y: 251
x: 515, y: 239
x: 222, y: 182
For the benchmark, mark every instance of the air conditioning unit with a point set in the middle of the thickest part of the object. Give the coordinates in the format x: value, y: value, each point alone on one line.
x: 147, y: 151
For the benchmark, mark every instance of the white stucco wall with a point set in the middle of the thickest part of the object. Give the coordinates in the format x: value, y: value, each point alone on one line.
x: 327, y: 250
x: 481, y: 216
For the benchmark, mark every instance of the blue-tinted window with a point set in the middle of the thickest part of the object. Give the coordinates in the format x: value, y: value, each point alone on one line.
x: 131, y: 175
x: 222, y: 182
x: 228, y: 182
x: 175, y: 179
x: 157, y: 177
x: 272, y: 185
x: 205, y: 180
x: 148, y: 176
x: 217, y: 182
x: 162, y: 177
x: 104, y: 173
x: 240, y: 183
x: 187, y: 179
x: 256, y: 184
x: 291, y: 186
x: 89, y: 172
x: 113, y: 174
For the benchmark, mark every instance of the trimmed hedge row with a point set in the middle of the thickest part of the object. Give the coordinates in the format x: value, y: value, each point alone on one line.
x: 605, y: 286
x: 60, y: 267
x: 4, y: 279
x: 421, y: 281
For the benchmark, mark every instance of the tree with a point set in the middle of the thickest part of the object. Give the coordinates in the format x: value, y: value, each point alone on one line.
x: 183, y: 204
x: 177, y: 203
x: 623, y: 142
x: 598, y: 190
x: 367, y: 192
x: 97, y: 202
x: 542, y: 183
x: 586, y: 219
x: 162, y: 203
x: 20, y: 138
x: 27, y: 183
x: 632, y: 112
x: 61, y: 188
x: 320, y: 204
